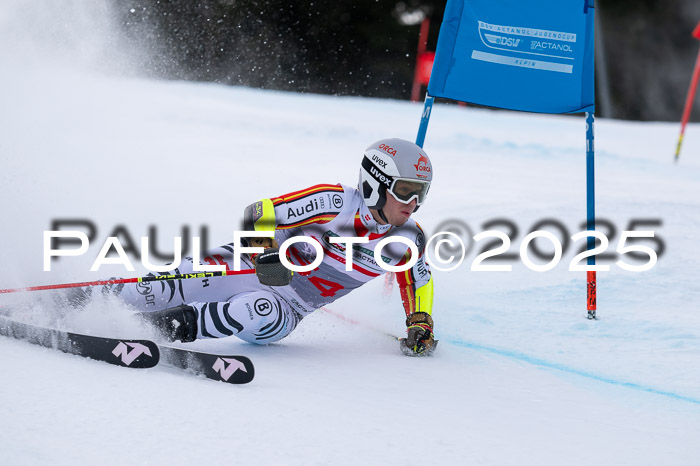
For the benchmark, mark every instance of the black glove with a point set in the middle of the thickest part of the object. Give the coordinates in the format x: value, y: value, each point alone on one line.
x: 270, y: 270
x: 419, y: 340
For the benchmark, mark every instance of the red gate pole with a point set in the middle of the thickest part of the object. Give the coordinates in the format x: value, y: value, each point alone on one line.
x: 422, y: 47
x: 691, y: 96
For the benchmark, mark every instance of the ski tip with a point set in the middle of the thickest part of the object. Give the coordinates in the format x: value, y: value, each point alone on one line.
x: 232, y: 369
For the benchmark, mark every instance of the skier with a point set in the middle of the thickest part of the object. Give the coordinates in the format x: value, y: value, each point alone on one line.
x: 264, y: 307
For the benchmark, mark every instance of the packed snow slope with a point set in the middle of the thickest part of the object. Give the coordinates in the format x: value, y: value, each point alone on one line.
x: 520, y: 376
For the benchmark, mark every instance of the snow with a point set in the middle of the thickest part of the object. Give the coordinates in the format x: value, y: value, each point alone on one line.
x: 520, y: 375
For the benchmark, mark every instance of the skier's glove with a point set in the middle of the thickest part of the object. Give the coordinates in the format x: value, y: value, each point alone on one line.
x: 269, y: 268
x: 263, y: 242
x: 419, y: 339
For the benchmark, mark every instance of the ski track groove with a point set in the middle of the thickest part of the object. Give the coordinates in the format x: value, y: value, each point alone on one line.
x: 519, y: 356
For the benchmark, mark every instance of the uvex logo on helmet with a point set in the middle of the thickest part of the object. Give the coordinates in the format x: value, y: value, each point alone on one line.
x: 379, y: 176
x: 422, y: 165
x: 389, y: 150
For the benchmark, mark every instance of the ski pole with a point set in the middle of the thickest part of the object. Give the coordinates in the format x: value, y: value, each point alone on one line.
x: 691, y: 96
x: 360, y: 324
x: 182, y: 276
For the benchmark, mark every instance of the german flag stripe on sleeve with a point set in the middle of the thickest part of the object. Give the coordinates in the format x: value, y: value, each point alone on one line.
x: 321, y: 218
x: 296, y: 195
x: 408, y: 297
x: 407, y: 288
x: 405, y: 277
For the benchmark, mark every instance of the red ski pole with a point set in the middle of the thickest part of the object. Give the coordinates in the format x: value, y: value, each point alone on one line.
x: 691, y: 96
x: 183, y: 276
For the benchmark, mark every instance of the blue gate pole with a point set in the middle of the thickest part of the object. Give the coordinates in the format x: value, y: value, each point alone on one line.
x: 590, y: 213
x: 425, y: 118
x: 420, y: 139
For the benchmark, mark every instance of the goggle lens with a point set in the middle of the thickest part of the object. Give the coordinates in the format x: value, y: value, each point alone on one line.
x: 405, y: 191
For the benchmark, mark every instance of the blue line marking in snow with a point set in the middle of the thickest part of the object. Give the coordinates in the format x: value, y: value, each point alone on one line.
x: 563, y: 368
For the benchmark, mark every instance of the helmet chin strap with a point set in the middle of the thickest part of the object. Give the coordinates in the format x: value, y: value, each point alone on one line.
x: 382, y: 203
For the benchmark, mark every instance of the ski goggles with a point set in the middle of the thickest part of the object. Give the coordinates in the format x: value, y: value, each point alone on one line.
x: 406, y: 190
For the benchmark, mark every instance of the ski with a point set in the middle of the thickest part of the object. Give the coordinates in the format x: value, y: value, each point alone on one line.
x: 139, y: 354
x: 229, y: 369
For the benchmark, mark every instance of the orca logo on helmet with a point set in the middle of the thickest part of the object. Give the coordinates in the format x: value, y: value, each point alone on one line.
x: 388, y: 149
x: 422, y: 165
